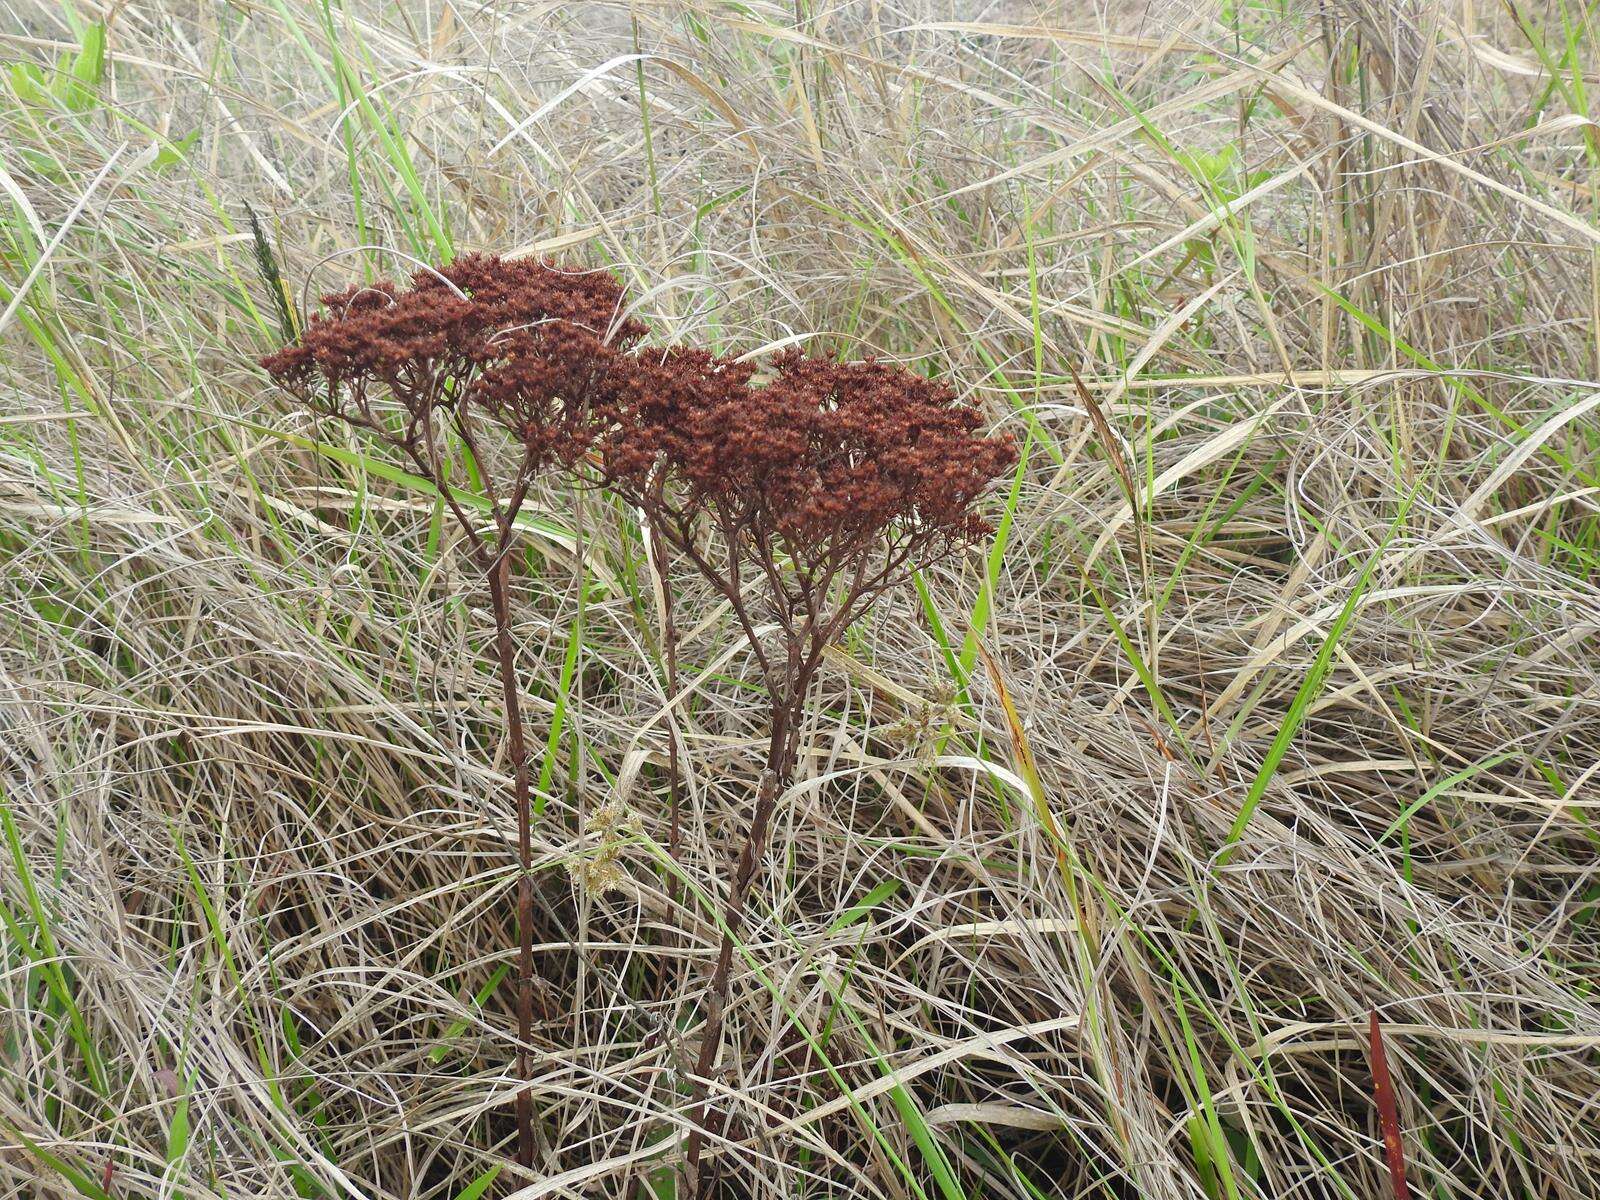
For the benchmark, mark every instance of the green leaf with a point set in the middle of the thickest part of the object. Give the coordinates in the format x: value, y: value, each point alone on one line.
x: 480, y: 1185
x: 28, y: 81
x: 663, y: 1183
x: 77, y: 88
x: 1310, y: 689
x: 175, y: 152
x: 178, y: 1131
x: 1444, y: 785
x: 869, y: 902
x: 80, y: 87
x: 457, y: 1028
x: 85, y: 1185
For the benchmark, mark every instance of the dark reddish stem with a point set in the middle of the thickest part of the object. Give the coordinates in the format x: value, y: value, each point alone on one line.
x: 1394, y: 1151
x: 776, y: 775
x: 669, y: 649
x: 499, y: 587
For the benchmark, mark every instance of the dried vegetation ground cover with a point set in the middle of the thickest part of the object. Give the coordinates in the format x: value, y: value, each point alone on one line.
x: 1270, y: 702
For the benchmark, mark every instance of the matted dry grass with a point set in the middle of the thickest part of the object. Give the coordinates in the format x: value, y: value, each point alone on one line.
x: 1306, y: 726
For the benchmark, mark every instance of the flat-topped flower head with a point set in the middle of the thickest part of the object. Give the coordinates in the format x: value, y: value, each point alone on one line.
x: 551, y: 388
x: 510, y: 335
x: 828, y: 465
x: 869, y: 450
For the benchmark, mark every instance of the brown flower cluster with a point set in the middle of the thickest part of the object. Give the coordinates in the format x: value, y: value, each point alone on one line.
x: 822, y: 465
x: 517, y: 341
x: 854, y: 467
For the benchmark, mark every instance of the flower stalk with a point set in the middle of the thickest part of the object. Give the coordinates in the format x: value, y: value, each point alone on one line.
x: 505, y: 357
x: 801, y: 501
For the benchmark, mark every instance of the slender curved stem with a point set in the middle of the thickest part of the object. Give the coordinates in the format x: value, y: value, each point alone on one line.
x: 669, y: 651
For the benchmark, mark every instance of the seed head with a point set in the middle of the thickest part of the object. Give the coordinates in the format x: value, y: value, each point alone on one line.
x: 519, y: 340
x: 825, y: 462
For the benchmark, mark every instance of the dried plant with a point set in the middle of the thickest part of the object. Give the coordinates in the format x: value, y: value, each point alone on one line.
x: 801, y: 501
x: 511, y: 359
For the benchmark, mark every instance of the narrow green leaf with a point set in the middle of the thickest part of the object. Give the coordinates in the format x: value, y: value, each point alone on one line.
x: 1310, y: 688
x: 868, y: 902
x: 480, y: 1185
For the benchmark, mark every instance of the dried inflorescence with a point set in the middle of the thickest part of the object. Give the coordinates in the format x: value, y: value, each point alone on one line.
x: 517, y: 341
x: 824, y: 465
x: 482, y: 344
x: 831, y: 472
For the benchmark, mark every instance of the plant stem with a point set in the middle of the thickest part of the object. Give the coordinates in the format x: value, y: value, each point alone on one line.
x: 775, y: 777
x: 669, y: 639
x: 499, y: 586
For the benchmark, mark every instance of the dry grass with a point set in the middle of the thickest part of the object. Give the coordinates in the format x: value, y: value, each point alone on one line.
x: 1294, y: 605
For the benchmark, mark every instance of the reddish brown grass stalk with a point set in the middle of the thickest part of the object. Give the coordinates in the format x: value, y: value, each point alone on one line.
x: 1394, y: 1150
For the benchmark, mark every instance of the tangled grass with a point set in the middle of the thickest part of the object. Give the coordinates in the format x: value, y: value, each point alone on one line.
x: 1272, y: 703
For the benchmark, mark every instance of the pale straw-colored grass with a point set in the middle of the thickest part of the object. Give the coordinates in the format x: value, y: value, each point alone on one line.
x: 1293, y: 604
